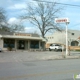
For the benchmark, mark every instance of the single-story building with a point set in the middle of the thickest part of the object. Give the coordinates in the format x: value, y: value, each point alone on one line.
x: 21, y: 41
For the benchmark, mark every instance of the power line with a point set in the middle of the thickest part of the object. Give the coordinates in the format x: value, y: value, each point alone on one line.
x: 58, y: 3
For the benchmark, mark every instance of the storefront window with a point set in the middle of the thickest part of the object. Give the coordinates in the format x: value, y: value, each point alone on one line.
x: 9, y: 43
x: 34, y: 44
x: 21, y: 44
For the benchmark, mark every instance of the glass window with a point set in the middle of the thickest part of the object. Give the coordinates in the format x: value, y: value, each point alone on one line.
x: 34, y: 44
x: 9, y: 43
x: 57, y: 45
x: 72, y: 33
x: 50, y: 44
x: 21, y: 44
x: 74, y: 43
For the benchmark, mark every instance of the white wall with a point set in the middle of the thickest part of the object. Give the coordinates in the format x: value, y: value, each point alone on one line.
x: 57, y: 37
x: 60, y: 37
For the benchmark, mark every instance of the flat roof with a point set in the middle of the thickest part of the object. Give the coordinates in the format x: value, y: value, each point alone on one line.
x: 25, y: 36
x: 21, y: 37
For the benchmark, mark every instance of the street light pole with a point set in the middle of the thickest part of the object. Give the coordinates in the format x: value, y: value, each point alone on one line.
x: 67, y: 52
x: 66, y: 38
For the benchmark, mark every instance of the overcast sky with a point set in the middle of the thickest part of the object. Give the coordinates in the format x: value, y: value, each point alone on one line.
x: 14, y: 9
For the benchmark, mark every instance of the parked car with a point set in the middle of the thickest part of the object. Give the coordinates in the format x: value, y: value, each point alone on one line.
x: 0, y: 50
x: 55, y: 47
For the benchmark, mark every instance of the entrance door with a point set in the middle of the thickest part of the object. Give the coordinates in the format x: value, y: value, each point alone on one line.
x: 21, y: 44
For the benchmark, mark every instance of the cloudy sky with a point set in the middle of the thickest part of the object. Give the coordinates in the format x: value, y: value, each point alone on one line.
x: 14, y: 9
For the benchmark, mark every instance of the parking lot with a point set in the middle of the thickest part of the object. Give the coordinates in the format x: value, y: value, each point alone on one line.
x: 17, y: 56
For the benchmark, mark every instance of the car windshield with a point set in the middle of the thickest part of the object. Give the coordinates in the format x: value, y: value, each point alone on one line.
x: 50, y: 44
x: 57, y: 45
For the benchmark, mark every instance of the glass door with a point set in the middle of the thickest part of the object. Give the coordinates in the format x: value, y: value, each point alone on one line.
x: 21, y: 44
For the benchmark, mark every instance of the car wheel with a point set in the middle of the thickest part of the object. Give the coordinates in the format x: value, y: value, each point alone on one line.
x: 61, y: 50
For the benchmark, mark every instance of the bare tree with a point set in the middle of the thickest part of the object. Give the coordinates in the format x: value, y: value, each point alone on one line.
x: 42, y: 15
x: 2, y: 15
x: 16, y: 28
x: 4, y: 26
x: 3, y: 22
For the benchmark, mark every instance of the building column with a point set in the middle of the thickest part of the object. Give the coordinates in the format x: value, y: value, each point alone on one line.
x: 44, y: 45
x: 15, y: 44
x: 1, y: 43
x: 28, y: 44
x: 39, y: 45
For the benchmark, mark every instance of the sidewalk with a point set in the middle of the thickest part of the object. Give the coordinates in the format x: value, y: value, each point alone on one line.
x: 20, y: 56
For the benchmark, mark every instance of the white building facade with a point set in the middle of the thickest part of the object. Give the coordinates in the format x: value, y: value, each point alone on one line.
x: 60, y: 38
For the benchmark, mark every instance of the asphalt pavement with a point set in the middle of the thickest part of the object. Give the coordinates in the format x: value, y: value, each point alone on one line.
x: 20, y: 56
x: 40, y: 70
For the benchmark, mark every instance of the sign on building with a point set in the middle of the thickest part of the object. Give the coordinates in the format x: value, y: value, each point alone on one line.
x: 22, y: 34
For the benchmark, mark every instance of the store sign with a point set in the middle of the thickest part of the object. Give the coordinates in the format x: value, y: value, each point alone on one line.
x: 22, y: 34
x: 61, y: 20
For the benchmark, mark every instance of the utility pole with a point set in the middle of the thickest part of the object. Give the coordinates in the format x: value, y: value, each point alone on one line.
x: 67, y: 38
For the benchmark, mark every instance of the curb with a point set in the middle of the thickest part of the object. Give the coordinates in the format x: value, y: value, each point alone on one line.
x: 59, y: 58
